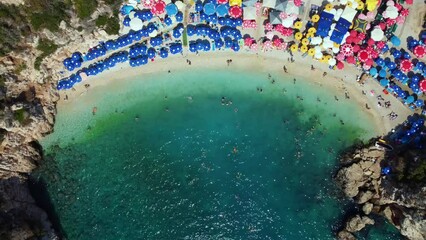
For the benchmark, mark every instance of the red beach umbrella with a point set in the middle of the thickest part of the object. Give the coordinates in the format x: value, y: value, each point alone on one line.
x: 369, y: 62
x: 423, y: 85
x: 356, y: 48
x: 248, y: 41
x: 380, y: 45
x: 277, y: 42
x: 340, y: 65
x: 419, y: 51
x: 222, y: 1
x: 374, y: 54
x: 351, y: 60
x: 349, y: 39
x: 347, y: 49
x: 158, y: 7
x: 353, y: 33
x: 235, y: 12
x: 370, y: 42
x: 363, y: 55
x: 405, y: 12
x: 361, y: 36
x: 405, y: 65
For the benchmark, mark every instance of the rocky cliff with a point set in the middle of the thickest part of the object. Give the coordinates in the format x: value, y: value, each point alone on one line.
x: 28, y: 104
x: 403, y: 204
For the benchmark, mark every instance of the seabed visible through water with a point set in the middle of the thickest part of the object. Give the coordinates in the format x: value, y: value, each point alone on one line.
x: 203, y: 155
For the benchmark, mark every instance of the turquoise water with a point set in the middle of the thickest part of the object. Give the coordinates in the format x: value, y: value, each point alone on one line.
x: 202, y: 155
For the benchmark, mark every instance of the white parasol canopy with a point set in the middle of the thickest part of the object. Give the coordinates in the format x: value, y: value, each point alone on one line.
x: 332, y: 62
x: 136, y: 24
x: 377, y: 34
x: 288, y: 22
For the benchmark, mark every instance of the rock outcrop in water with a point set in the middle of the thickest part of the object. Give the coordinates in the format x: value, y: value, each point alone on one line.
x: 403, y: 203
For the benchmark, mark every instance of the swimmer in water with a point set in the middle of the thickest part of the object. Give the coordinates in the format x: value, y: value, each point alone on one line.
x: 235, y: 150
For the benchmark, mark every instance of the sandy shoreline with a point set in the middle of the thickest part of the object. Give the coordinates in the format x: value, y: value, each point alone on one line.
x: 339, y: 82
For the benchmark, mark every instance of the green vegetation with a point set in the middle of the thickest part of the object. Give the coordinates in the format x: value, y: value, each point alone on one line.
x: 13, y: 25
x: 418, y: 174
x: 20, y: 115
x: 47, y: 47
x: 110, y: 24
x: 85, y: 8
x: 20, y: 68
x: 185, y: 38
x: 48, y: 14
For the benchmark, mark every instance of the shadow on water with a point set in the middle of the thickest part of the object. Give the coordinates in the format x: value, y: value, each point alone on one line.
x: 38, y: 190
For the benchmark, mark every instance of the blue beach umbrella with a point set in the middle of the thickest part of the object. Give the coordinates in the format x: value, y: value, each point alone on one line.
x: 126, y: 21
x: 151, y: 53
x: 222, y: 10
x: 384, y: 82
x: 179, y: 17
x: 419, y: 103
x: 382, y: 73
x: 373, y: 71
x: 198, y: 6
x: 391, y: 65
x: 395, y: 41
x: 396, y: 54
x: 409, y: 100
x: 171, y: 9
x: 164, y: 53
x: 126, y: 9
x: 380, y: 62
x: 415, y: 78
x: 209, y: 9
x: 168, y: 21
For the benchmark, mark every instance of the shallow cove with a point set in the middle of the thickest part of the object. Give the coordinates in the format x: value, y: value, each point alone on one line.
x: 163, y: 158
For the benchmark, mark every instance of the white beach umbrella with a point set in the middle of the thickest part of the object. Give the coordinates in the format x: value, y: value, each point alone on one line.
x: 136, y: 24
x: 327, y: 43
x: 336, y: 49
x: 377, y: 34
x: 316, y: 40
x: 288, y: 22
x: 153, y: 34
x: 332, y: 62
x: 318, y: 55
x: 133, y: 3
x: 132, y: 14
x: 391, y: 12
x: 354, y: 5
x: 339, y: 13
x: 180, y: 5
x: 343, y: 2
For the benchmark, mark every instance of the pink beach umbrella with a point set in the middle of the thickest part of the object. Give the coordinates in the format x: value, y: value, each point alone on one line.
x: 222, y: 1
x: 258, y: 5
x: 347, y: 49
x: 353, y: 33
x: 298, y: 3
x: 235, y: 11
x: 267, y: 45
x: 283, y: 15
x: 287, y: 32
x: 340, y: 57
x: 254, y: 47
x: 363, y: 55
x: 253, y: 24
x: 406, y: 65
x: 268, y: 27
x: 340, y: 65
x: 419, y: 51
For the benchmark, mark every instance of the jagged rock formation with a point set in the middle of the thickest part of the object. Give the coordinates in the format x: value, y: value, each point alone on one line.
x: 27, y: 112
x: 360, y: 179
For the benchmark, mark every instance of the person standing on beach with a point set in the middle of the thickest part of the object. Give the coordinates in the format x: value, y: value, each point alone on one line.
x: 285, y: 69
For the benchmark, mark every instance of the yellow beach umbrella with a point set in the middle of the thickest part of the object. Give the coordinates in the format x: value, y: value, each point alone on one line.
x: 298, y: 24
x: 309, y: 35
x: 298, y: 35
x: 294, y: 47
x: 328, y: 57
x: 303, y: 49
x: 235, y: 2
x: 349, y: 4
x: 360, y: 6
x: 336, y: 45
x: 312, y: 30
x: 323, y: 59
x: 315, y: 18
x: 328, y: 7
x: 311, y: 51
x: 305, y: 41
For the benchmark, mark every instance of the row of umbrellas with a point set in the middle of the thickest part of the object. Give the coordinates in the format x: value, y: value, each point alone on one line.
x: 73, y: 62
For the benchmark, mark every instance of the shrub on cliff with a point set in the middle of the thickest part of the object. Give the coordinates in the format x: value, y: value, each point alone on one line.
x: 85, y: 8
x: 109, y: 24
x: 47, y: 47
x: 48, y: 14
